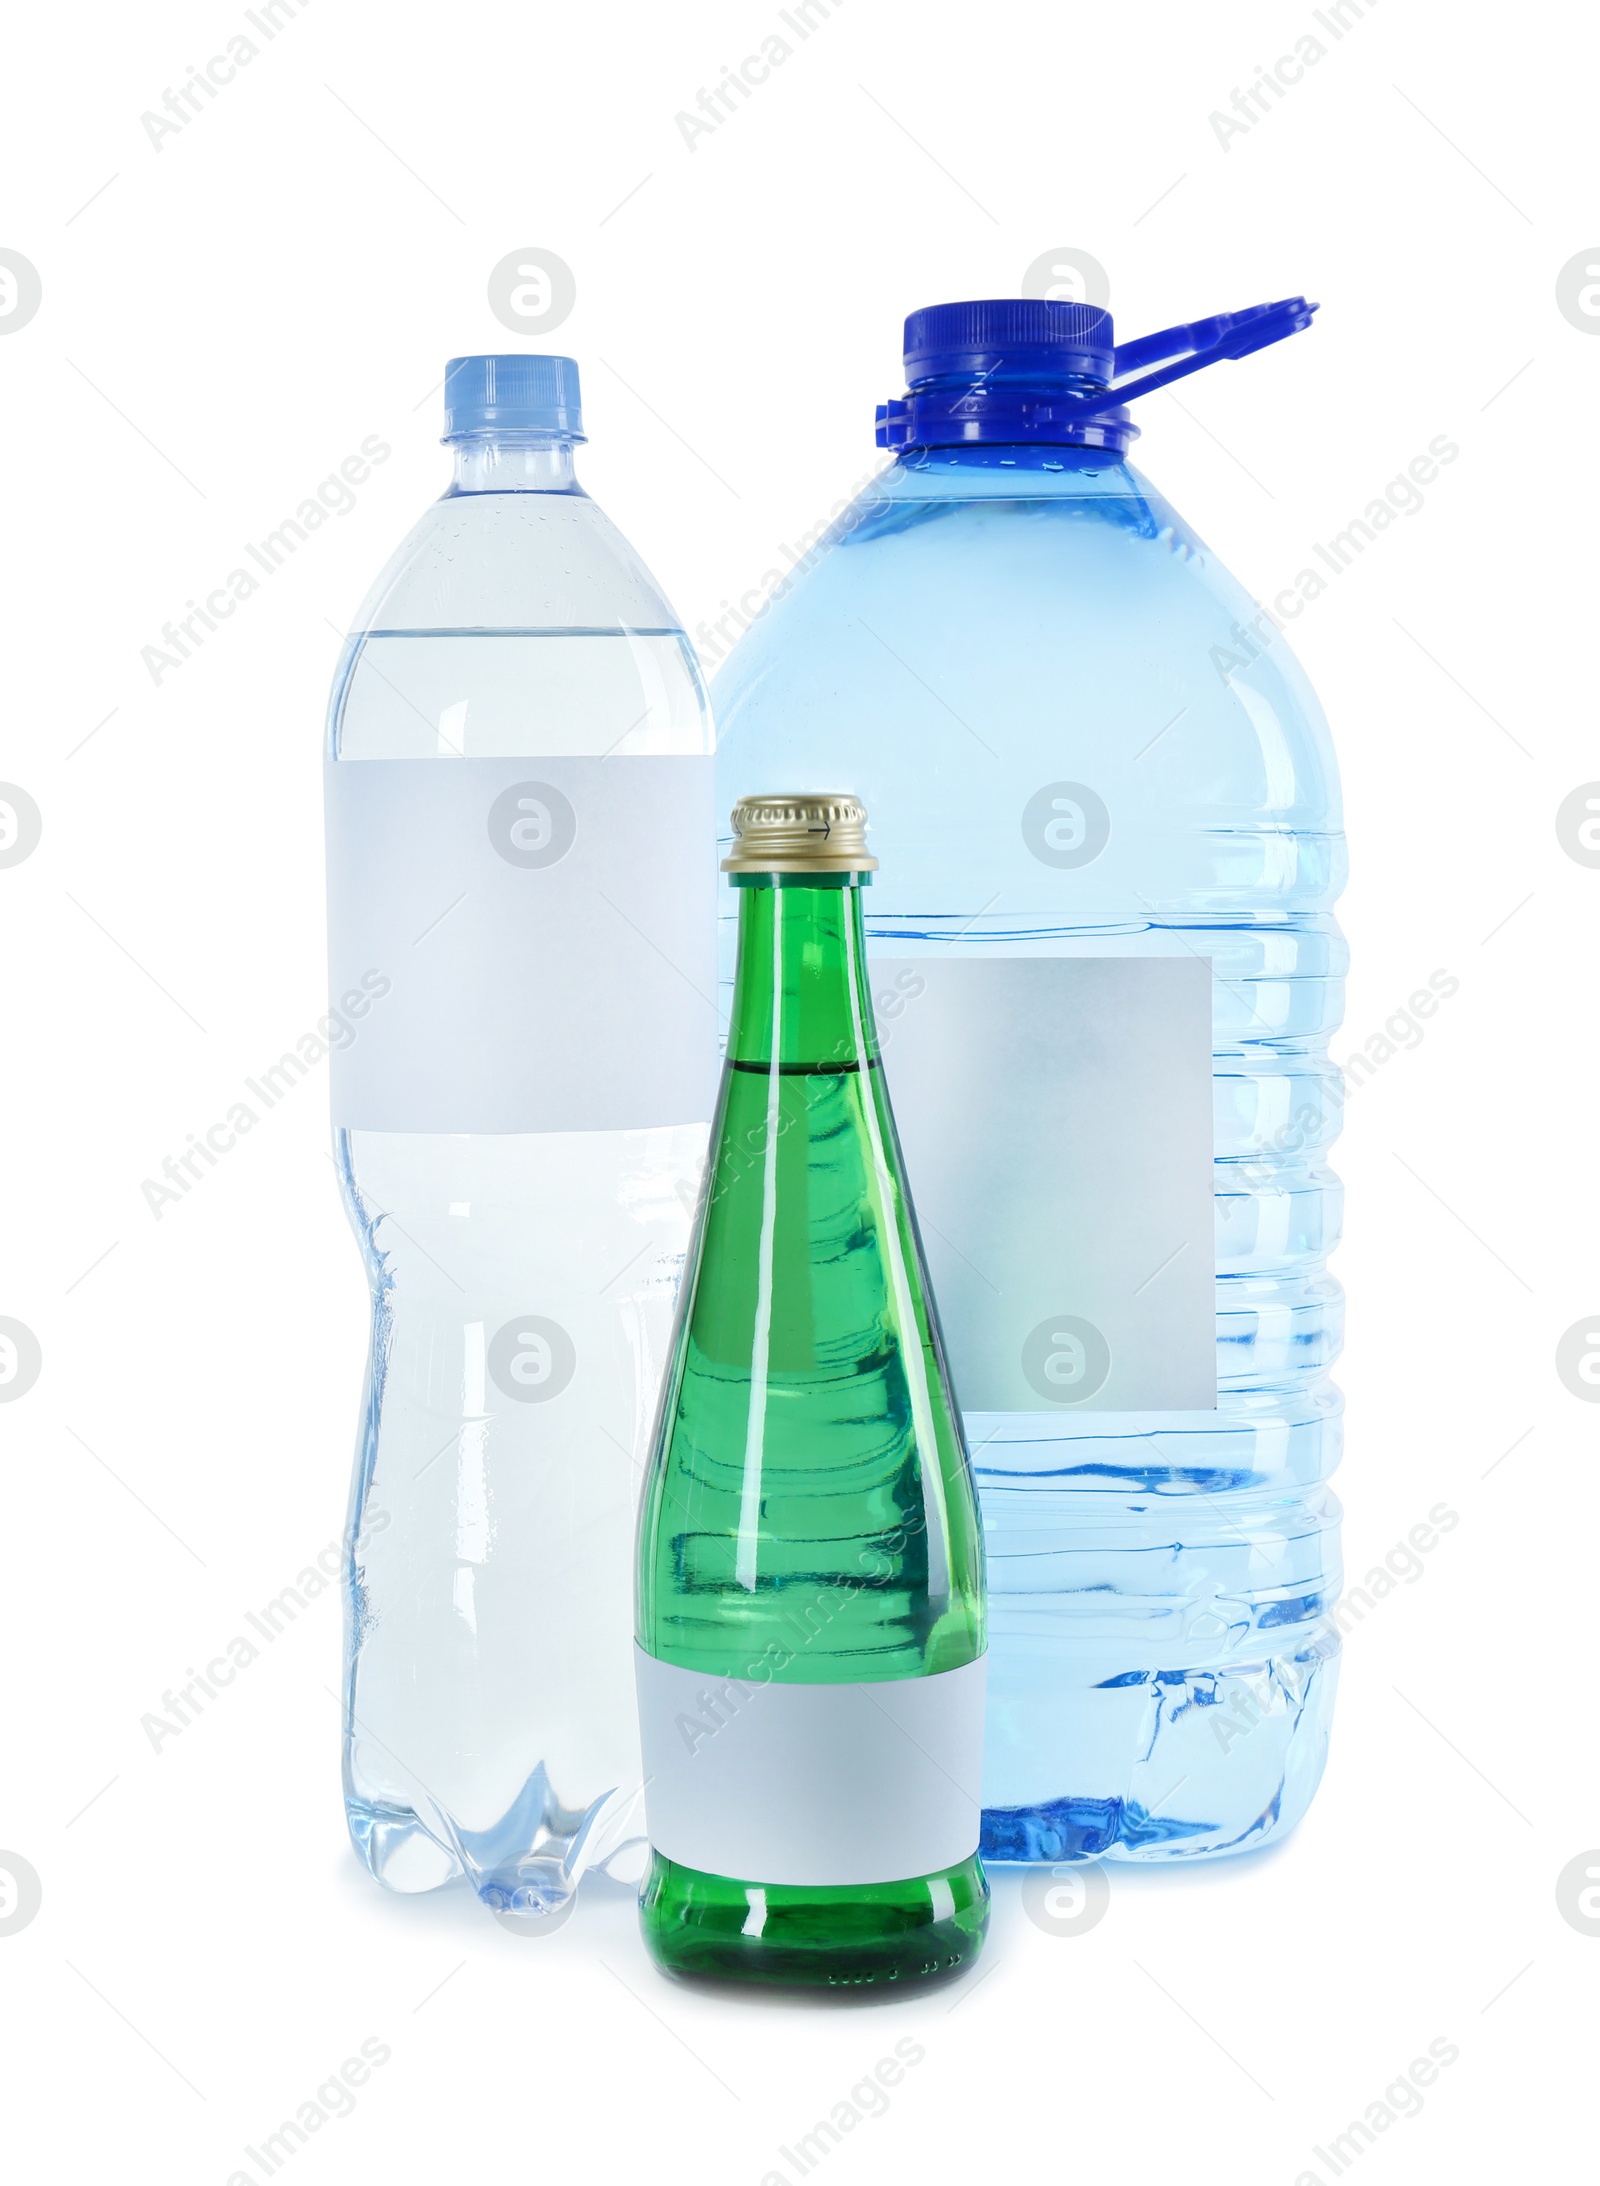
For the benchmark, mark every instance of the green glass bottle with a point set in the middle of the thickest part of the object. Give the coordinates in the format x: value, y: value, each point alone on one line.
x: 810, y: 1586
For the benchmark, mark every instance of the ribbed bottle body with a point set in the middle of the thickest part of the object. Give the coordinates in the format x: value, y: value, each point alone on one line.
x: 1078, y: 739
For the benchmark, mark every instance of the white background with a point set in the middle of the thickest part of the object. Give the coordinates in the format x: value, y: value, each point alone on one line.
x: 226, y: 318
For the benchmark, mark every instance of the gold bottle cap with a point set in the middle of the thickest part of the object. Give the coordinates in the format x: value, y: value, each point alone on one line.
x: 821, y: 833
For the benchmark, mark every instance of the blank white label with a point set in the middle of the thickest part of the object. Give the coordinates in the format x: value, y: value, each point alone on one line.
x: 546, y: 929
x: 1056, y: 1114
x: 812, y: 1784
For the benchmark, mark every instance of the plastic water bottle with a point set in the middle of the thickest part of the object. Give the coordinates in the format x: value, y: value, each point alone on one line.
x: 1106, y: 970
x: 521, y: 910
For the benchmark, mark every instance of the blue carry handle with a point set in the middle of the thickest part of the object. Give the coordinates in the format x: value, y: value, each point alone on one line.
x: 1231, y: 334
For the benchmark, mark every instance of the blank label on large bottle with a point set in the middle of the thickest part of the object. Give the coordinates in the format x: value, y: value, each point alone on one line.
x: 1056, y: 1114
x: 545, y: 928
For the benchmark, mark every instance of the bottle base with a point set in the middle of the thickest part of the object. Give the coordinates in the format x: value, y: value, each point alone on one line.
x: 527, y: 1866
x: 1065, y: 1829
x: 399, y: 1850
x: 1169, y: 1765
x: 875, y: 1936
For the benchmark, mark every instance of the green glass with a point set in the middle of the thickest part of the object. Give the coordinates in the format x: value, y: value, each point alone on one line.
x: 810, y: 1498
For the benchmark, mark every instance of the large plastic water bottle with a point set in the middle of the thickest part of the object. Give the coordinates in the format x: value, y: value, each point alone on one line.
x: 1106, y: 971
x: 521, y: 910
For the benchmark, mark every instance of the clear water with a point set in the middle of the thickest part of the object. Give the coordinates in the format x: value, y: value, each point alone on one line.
x: 490, y: 1715
x: 982, y: 623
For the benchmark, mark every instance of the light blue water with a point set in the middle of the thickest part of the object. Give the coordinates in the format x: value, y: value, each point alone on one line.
x: 490, y: 1726
x: 980, y: 624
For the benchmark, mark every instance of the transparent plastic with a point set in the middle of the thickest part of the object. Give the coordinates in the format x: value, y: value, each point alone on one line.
x: 984, y: 622
x: 490, y: 1718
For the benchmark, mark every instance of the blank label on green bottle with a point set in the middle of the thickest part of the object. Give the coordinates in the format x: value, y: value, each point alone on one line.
x: 1056, y: 1114
x: 817, y: 1786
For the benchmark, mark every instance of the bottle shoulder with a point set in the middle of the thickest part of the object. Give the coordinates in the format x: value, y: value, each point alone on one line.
x: 516, y: 625
x: 1101, y: 557
x: 515, y: 561
x: 965, y: 662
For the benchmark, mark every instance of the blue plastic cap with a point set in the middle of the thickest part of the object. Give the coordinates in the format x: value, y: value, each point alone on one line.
x: 1011, y: 369
x: 1010, y: 337
x: 519, y: 394
x: 1007, y: 369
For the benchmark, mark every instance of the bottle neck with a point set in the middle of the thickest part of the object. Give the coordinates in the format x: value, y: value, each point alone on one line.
x: 1047, y: 465
x: 1001, y: 474
x: 964, y: 410
x: 538, y: 463
x: 800, y: 996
